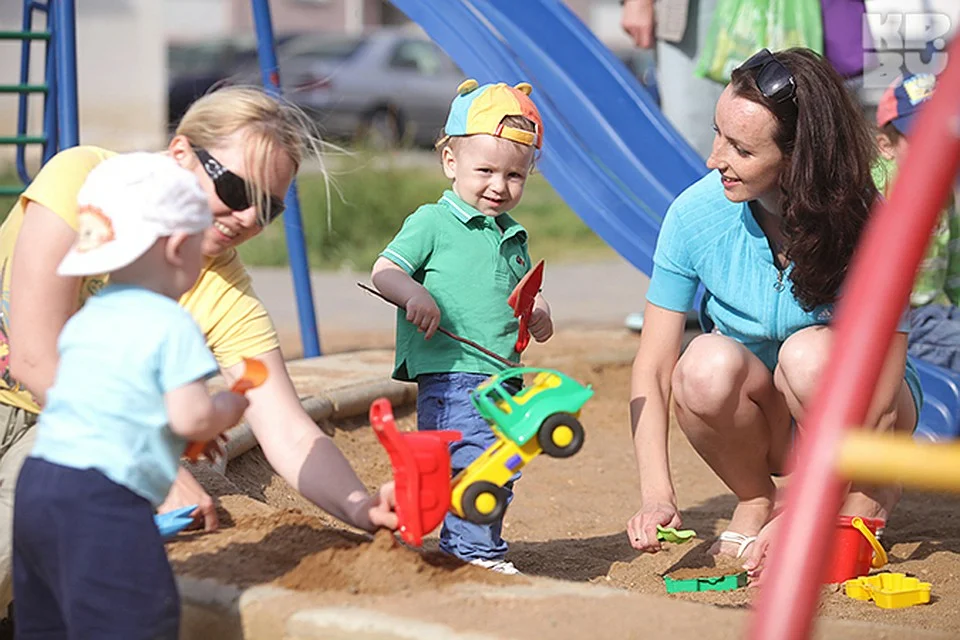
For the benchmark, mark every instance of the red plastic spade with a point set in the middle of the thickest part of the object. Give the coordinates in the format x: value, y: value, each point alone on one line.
x: 522, y: 299
x: 421, y: 472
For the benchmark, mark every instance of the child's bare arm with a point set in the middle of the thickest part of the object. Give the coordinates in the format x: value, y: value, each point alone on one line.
x: 393, y: 282
x: 196, y: 415
x: 398, y: 287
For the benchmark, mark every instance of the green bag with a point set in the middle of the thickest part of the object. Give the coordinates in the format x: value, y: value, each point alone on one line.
x: 740, y: 28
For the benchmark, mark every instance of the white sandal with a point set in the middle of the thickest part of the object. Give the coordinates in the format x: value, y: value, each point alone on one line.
x: 739, y: 539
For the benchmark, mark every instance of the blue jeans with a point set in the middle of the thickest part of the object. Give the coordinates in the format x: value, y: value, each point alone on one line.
x: 443, y: 403
x: 88, y: 561
x: 935, y: 335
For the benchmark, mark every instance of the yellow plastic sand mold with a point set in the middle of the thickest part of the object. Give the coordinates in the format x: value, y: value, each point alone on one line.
x: 889, y: 590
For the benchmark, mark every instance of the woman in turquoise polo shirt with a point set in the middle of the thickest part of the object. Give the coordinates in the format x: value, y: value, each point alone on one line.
x: 769, y: 233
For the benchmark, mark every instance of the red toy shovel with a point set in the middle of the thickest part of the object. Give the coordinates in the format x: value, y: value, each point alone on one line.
x: 522, y: 299
x: 421, y: 472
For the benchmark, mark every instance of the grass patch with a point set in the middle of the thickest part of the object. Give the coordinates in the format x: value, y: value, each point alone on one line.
x: 8, y: 178
x: 375, y: 202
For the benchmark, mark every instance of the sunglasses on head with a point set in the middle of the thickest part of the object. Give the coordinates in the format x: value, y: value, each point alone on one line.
x: 234, y: 191
x: 773, y: 79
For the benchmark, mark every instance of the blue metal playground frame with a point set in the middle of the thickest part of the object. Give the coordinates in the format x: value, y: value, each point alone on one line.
x: 292, y: 224
x: 61, y: 127
x: 619, y: 168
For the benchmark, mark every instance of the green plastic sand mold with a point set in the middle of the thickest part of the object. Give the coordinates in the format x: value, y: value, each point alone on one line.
x: 669, y: 534
x: 720, y: 583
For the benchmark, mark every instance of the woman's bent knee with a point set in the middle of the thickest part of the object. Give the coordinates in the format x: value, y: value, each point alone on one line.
x: 801, y: 361
x: 709, y: 375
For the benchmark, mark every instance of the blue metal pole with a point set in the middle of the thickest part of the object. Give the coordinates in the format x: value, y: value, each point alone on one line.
x: 292, y: 225
x: 66, y: 51
x: 50, y: 124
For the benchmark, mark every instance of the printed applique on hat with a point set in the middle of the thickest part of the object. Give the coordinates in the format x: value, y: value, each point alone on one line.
x: 94, y: 229
x: 920, y: 87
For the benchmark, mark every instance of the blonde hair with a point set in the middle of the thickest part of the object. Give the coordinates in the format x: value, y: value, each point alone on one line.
x: 269, y: 123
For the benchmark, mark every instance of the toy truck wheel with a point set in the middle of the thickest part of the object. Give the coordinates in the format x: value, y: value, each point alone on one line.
x: 483, y: 502
x: 561, y: 435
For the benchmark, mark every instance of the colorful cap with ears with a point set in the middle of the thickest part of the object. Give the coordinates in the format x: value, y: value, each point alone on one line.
x: 482, y: 108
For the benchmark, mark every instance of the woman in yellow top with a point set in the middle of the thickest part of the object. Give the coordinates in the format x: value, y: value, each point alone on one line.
x: 245, y: 147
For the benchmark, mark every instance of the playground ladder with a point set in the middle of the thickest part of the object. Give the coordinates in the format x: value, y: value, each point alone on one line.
x: 61, y: 130
x: 59, y: 85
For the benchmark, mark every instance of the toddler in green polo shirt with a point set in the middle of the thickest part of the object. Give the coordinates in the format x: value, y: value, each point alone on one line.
x: 455, y: 262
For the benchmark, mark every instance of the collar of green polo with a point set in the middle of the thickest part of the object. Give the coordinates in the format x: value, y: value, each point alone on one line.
x: 461, y: 209
x: 465, y: 213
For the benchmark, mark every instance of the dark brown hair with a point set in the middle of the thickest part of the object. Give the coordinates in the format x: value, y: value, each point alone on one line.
x: 826, y: 190
x: 893, y: 134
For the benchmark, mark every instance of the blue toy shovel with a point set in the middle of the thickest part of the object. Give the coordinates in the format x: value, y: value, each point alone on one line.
x: 173, y: 522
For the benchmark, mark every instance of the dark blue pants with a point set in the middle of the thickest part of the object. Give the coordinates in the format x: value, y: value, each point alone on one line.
x: 88, y: 560
x: 935, y: 335
x: 443, y: 403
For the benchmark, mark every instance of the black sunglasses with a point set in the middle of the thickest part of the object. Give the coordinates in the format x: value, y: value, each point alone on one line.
x: 233, y: 190
x: 773, y: 79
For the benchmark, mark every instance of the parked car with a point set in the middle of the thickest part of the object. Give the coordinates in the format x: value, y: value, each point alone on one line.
x: 389, y: 87
x: 192, y: 69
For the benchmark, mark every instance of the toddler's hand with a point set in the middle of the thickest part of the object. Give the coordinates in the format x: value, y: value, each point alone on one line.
x: 422, y: 311
x: 231, y: 406
x: 541, y: 325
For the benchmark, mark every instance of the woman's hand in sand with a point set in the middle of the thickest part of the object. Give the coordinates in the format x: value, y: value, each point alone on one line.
x: 758, y: 551
x: 383, y: 508
x: 642, y: 527
x: 186, y: 491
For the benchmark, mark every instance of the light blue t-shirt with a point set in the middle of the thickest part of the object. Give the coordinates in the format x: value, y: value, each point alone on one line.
x: 707, y: 238
x: 119, y: 355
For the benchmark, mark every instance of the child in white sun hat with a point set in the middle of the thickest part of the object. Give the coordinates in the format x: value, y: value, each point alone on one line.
x: 130, y: 392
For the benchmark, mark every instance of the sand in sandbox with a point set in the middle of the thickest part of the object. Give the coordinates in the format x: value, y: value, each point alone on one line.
x: 568, y: 517
x: 383, y: 566
x: 713, y: 567
x: 299, y: 552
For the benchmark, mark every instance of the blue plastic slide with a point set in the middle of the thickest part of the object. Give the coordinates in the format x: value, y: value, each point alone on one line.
x: 608, y: 151
x: 940, y: 416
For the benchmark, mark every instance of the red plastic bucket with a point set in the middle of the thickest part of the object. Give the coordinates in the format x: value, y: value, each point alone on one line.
x: 854, y: 549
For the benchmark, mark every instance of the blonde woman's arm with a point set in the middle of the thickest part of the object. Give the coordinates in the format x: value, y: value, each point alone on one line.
x: 41, y: 301
x: 306, y: 457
